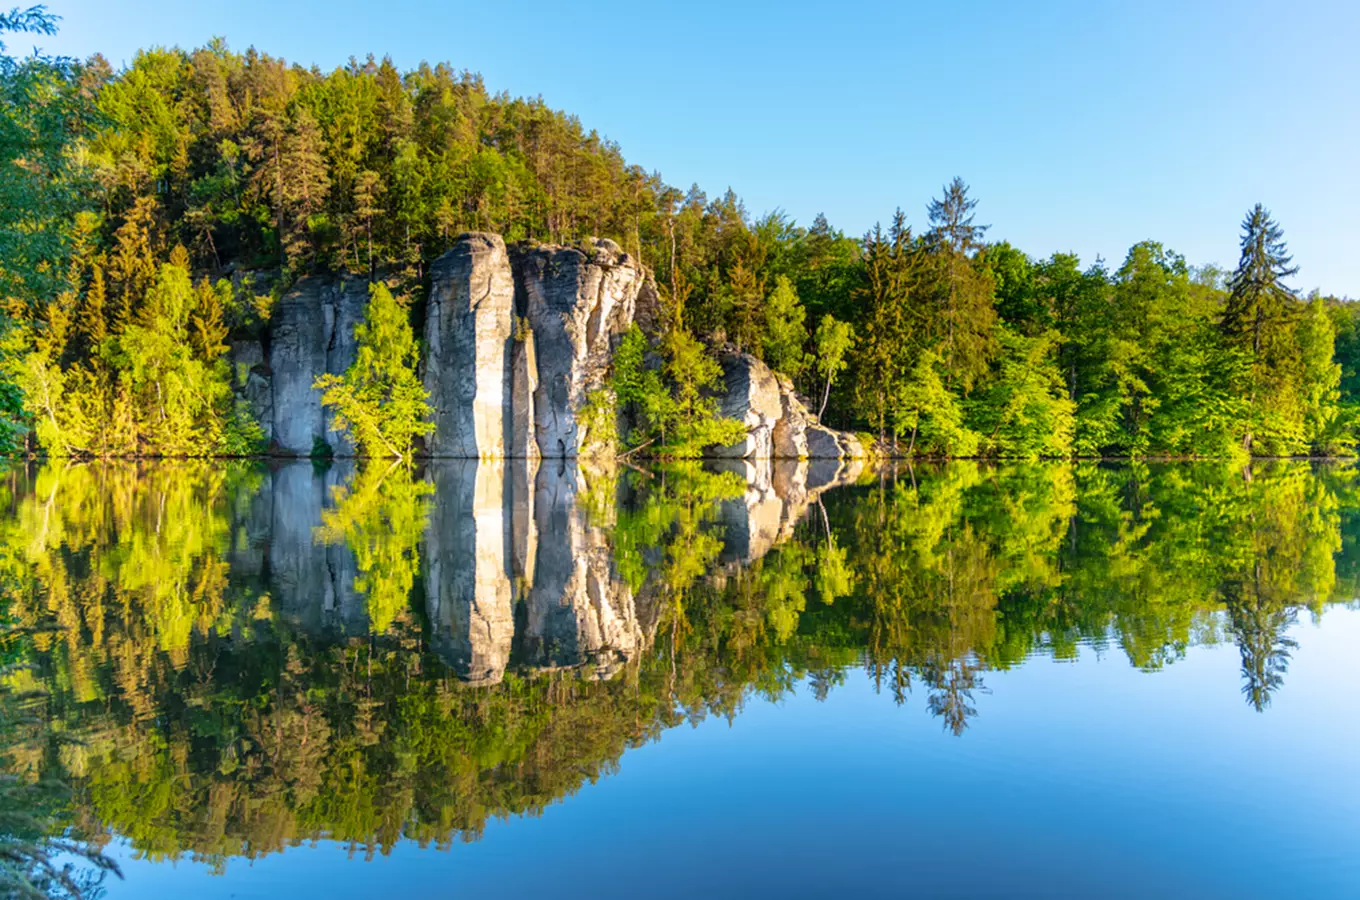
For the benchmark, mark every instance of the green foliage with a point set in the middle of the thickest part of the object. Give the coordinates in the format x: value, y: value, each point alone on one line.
x: 695, y: 423
x: 379, y: 400
x: 598, y: 420
x: 640, y: 390
x: 1328, y: 426
x: 1026, y: 411
x: 785, y: 329
x: 931, y: 414
x: 834, y: 341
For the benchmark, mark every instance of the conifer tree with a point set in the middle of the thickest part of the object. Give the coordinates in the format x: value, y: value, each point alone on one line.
x: 965, y: 314
x: 1260, y: 305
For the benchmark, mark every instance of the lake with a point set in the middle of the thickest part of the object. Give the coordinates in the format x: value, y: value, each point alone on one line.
x: 958, y: 680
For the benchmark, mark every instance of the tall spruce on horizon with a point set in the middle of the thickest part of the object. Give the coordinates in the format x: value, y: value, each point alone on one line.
x: 965, y: 323
x: 1259, y: 302
x: 1258, y: 319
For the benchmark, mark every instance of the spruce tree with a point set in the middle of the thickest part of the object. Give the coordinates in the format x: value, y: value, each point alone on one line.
x: 1260, y: 305
x: 1259, y: 318
x: 965, y: 310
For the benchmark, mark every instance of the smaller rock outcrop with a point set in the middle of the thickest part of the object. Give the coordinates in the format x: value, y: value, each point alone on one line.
x: 252, y: 383
x: 778, y: 423
x: 751, y: 395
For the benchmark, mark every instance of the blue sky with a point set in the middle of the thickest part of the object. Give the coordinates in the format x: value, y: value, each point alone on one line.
x: 1081, y: 126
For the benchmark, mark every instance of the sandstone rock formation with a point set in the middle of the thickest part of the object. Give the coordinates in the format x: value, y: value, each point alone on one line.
x: 778, y: 423
x: 517, y: 341
x: 750, y: 395
x: 469, y: 323
x: 312, y: 334
x: 576, y: 300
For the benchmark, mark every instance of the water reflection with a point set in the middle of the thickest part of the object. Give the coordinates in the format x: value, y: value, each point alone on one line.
x: 253, y: 656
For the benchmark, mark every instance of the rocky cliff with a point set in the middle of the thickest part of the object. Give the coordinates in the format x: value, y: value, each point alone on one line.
x: 312, y: 334
x: 516, y: 339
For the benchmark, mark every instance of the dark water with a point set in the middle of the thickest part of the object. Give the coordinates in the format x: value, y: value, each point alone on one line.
x: 484, y: 680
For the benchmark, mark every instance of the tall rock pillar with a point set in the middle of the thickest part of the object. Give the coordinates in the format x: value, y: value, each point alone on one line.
x: 469, y: 331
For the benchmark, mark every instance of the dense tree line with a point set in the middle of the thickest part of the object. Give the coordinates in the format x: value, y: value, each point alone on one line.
x: 151, y: 214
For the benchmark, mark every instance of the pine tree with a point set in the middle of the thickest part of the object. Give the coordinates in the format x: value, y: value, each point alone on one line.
x: 304, y: 184
x: 1259, y: 317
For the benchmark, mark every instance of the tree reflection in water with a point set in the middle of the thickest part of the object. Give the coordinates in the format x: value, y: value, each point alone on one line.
x: 245, y: 657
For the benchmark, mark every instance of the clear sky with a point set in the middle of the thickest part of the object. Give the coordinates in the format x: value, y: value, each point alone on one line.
x: 1081, y: 126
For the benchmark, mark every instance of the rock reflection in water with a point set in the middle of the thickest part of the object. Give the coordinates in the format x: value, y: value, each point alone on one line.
x: 248, y: 657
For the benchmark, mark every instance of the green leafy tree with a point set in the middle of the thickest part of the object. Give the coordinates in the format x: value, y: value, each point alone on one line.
x: 834, y: 341
x: 785, y: 329
x: 931, y: 414
x: 1027, y: 412
x: 379, y: 400
x: 1329, y: 426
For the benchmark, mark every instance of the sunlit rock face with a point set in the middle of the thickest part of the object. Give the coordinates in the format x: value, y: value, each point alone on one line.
x: 577, y: 300
x: 469, y: 324
x: 789, y: 435
x: 580, y: 612
x: 750, y: 394
x: 777, y: 421
x: 312, y: 335
x: 312, y: 581
x: 516, y: 342
x: 470, y: 568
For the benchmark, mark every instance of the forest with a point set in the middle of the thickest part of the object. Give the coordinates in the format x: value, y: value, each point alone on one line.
x: 148, y: 216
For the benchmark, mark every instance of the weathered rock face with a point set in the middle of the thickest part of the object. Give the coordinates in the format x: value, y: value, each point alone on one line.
x: 576, y: 300
x: 790, y: 432
x: 751, y: 396
x: 523, y: 386
x: 312, y: 335
x: 469, y: 325
x: 778, y: 423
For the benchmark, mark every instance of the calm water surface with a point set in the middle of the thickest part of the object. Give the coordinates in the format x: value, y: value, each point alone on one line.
x: 497, y: 680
